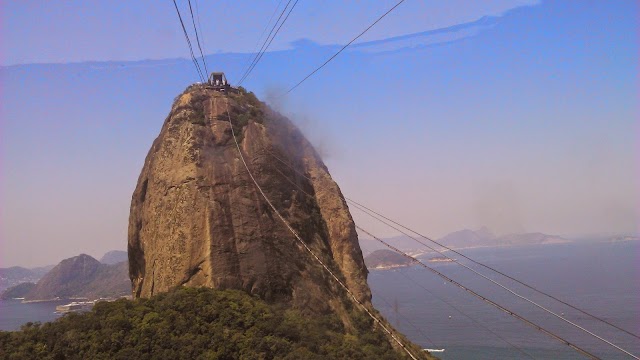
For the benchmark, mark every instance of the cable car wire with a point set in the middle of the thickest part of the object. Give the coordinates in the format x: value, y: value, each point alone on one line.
x: 295, y: 234
x: 186, y: 35
x: 492, y: 303
x: 272, y: 38
x: 520, y: 350
x: 522, y: 297
x: 497, y: 271
x: 193, y: 20
x: 368, y: 211
x: 200, y: 25
x: 500, y: 307
x: 255, y: 47
x: 268, y: 40
x: 424, y: 288
x: 344, y: 47
x: 496, y: 283
x: 264, y: 45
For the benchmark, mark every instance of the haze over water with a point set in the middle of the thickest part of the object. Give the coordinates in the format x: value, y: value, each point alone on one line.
x: 601, y: 278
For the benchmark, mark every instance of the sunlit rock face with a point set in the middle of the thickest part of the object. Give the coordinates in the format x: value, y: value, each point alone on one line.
x: 197, y: 218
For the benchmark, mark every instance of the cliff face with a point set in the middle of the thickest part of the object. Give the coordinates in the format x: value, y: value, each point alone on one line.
x: 197, y: 219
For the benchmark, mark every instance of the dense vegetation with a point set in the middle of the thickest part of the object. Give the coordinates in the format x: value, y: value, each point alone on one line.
x: 190, y: 323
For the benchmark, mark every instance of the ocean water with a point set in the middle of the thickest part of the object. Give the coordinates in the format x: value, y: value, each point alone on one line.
x: 14, y: 313
x: 601, y: 278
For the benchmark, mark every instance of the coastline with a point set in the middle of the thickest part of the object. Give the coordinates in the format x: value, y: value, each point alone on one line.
x: 441, y: 260
x: 420, y: 253
x: 38, y: 300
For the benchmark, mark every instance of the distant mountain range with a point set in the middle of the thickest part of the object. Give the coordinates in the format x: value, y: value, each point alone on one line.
x: 466, y: 239
x: 484, y: 237
x: 81, y: 276
x: 17, y: 275
x: 623, y: 238
x: 17, y: 291
x: 114, y: 257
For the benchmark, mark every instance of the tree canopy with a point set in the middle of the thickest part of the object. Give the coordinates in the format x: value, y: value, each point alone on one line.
x: 196, y: 323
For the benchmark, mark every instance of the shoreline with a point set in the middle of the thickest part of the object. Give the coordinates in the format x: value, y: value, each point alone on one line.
x: 38, y: 301
x: 440, y: 260
x: 420, y: 253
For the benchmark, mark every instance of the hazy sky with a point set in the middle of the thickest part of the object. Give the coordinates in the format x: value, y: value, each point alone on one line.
x: 517, y: 115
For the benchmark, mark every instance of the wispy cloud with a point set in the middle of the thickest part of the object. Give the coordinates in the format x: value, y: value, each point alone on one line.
x: 427, y: 38
x: 57, y: 31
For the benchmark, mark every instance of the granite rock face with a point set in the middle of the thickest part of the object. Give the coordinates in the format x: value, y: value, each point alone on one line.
x: 197, y: 218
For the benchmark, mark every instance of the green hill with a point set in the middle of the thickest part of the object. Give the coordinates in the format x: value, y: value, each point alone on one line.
x: 82, y: 276
x: 17, y: 291
x: 198, y: 323
x: 386, y: 259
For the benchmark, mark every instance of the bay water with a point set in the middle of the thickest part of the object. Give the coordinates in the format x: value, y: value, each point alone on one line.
x: 601, y: 278
x: 15, y: 313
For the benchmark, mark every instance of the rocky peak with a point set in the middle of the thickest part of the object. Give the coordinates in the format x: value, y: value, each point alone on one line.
x: 64, y: 279
x: 197, y: 219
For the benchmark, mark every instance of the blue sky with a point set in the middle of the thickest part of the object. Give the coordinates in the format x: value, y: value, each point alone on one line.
x: 73, y: 31
x: 517, y: 115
